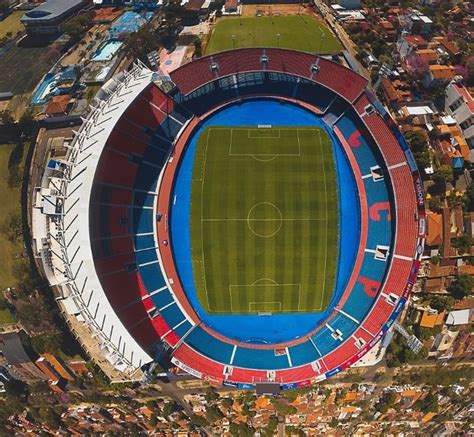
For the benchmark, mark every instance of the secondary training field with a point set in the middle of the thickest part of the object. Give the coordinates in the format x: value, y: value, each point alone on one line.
x: 264, y: 220
x: 300, y: 32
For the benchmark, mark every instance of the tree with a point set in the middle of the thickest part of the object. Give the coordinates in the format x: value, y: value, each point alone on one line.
x: 442, y: 303
x: 463, y: 244
x: 199, y: 421
x: 48, y: 343
x: 6, y: 119
x: 197, y: 48
x: 4, y: 6
x: 170, y: 408
x: 213, y: 414
x: 139, y: 44
x: 77, y: 27
x: 470, y: 197
x: 435, y: 204
x: 12, y: 227
x: 419, y: 148
x: 227, y: 402
x: 461, y: 286
x: 417, y: 66
x: 284, y: 409
x: 441, y: 176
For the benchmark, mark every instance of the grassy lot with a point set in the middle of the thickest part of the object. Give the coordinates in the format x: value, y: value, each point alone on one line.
x: 264, y: 220
x: 5, y: 317
x: 10, y: 203
x: 300, y: 32
x: 22, y: 67
x: 11, y: 24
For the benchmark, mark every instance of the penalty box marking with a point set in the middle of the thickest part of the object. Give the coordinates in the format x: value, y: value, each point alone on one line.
x: 258, y: 136
x: 233, y: 287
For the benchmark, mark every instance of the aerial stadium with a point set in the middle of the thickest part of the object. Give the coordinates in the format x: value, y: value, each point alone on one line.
x: 254, y: 217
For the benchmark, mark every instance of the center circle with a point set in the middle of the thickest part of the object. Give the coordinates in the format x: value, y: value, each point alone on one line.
x: 264, y: 219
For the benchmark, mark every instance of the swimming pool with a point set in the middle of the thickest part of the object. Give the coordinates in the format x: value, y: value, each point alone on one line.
x: 107, y: 50
x: 278, y: 327
x: 46, y: 87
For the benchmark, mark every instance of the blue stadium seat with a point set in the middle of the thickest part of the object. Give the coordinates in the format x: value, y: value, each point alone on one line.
x: 172, y: 315
x: 162, y: 298
x: 210, y: 346
x: 146, y: 256
x: 143, y: 221
x: 264, y: 359
x: 152, y: 277
x: 147, y: 178
x: 183, y: 328
x: 303, y: 353
x: 144, y: 242
x: 155, y: 156
x: 380, y: 232
x: 376, y: 191
x: 143, y: 199
x: 343, y: 324
x: 324, y: 341
x: 363, y: 153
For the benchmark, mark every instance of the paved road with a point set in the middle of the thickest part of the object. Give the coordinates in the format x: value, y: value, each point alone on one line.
x: 341, y: 34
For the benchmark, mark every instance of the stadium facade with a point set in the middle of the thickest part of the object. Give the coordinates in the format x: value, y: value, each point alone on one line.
x: 101, y: 219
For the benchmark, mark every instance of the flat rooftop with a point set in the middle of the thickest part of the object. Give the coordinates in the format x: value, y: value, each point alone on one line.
x: 49, y: 10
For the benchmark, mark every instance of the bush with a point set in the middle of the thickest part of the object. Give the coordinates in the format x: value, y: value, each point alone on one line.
x: 442, y: 303
x: 461, y: 286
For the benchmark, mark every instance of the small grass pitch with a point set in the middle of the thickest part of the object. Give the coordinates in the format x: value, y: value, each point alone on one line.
x: 264, y: 220
x: 11, y: 25
x: 299, y: 32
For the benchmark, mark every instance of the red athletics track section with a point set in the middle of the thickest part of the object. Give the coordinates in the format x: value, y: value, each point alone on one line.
x: 164, y: 202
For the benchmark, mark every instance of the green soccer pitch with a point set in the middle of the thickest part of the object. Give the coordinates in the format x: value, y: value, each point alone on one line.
x: 264, y: 220
x: 299, y: 32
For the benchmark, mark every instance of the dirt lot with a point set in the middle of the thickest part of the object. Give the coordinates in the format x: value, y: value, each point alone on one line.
x: 275, y: 9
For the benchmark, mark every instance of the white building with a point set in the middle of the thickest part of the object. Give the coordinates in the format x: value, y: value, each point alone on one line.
x: 460, y: 104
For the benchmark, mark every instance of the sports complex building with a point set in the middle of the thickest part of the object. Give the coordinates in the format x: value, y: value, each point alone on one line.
x: 255, y: 217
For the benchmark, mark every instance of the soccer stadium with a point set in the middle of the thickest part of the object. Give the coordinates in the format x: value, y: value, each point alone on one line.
x: 254, y: 217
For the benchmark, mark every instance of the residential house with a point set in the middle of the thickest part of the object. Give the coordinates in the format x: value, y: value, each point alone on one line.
x: 17, y: 359
x: 460, y: 104
x: 408, y: 44
x: 438, y: 75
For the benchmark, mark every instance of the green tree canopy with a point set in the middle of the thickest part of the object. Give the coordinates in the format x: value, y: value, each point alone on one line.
x: 461, y: 286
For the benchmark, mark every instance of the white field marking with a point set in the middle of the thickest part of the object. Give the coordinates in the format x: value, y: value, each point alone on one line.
x: 326, y: 205
x: 274, y: 284
x: 202, y: 236
x: 243, y: 219
x: 249, y: 135
x: 264, y: 279
x: 299, y: 144
x: 277, y: 302
x: 366, y: 176
x: 279, y: 219
x: 271, y: 156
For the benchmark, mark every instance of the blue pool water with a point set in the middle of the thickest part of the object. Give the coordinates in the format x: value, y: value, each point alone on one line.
x: 129, y: 22
x: 278, y: 327
x: 45, y: 88
x: 107, y: 50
